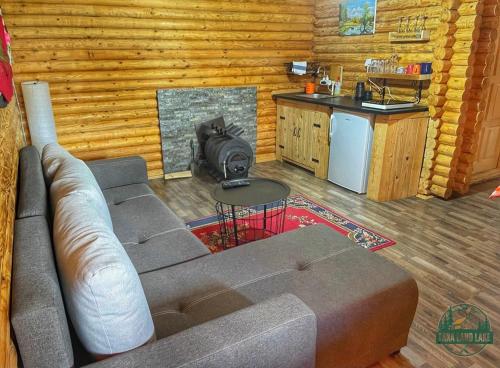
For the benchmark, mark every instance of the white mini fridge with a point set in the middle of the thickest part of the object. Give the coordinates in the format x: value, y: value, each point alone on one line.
x: 351, y: 139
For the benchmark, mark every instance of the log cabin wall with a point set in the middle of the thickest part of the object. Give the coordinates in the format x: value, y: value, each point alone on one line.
x: 454, y: 92
x: 455, y: 30
x: 352, y: 51
x: 105, y: 59
x: 484, y: 63
x: 10, y: 141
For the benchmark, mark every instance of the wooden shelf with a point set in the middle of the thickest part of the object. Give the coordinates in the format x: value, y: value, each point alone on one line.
x: 410, y: 77
x: 404, y: 37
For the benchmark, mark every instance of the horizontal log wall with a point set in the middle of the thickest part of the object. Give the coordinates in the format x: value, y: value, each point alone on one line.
x: 352, y: 51
x: 454, y: 92
x: 105, y: 59
x: 484, y: 62
x: 10, y: 139
x: 457, y: 50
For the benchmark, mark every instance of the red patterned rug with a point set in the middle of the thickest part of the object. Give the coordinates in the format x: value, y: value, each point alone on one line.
x: 300, y: 212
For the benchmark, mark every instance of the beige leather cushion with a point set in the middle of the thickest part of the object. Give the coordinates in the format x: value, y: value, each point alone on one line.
x: 102, y: 290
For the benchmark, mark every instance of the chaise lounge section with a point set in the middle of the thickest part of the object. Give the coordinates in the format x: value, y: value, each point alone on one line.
x: 301, y: 299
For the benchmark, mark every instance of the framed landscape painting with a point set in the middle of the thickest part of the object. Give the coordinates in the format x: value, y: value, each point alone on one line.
x: 357, y: 17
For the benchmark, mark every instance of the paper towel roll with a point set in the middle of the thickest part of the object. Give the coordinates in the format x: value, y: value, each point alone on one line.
x: 39, y: 112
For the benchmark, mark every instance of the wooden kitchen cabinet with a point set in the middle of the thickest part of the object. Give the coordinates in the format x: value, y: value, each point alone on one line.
x: 302, y: 138
x: 302, y: 135
x: 397, y: 156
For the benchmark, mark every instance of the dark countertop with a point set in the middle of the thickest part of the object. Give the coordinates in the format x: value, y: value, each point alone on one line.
x: 348, y: 103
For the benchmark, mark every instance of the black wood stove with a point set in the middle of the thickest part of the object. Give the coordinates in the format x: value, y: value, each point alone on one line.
x: 221, y: 151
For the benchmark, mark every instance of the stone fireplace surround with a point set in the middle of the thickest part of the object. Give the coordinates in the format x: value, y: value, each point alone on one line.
x: 181, y: 109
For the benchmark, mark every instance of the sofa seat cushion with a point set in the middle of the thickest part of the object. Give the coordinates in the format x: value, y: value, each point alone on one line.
x: 360, y: 299
x: 116, y: 195
x: 165, y: 249
x: 139, y: 218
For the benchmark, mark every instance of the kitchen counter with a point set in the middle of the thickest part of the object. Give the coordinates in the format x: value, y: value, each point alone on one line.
x: 303, y: 131
x: 348, y: 103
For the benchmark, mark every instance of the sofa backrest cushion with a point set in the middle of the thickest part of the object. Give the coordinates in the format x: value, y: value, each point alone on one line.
x: 74, y: 176
x: 102, y: 290
x: 52, y: 156
x: 37, y: 311
x: 32, y: 198
x: 69, y: 175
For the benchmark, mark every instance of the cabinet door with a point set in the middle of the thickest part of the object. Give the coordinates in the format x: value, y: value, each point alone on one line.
x: 284, y: 130
x: 289, y: 132
x: 304, y: 139
x: 290, y: 127
x: 299, y: 139
x: 320, y: 146
x: 280, y: 131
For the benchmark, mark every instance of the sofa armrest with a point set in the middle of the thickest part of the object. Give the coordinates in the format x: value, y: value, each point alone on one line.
x: 279, y: 332
x: 118, y: 172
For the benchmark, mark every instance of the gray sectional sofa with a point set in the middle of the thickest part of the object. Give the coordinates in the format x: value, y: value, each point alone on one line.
x: 304, y: 298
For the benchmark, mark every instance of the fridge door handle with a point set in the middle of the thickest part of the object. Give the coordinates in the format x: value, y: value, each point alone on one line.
x: 333, y: 126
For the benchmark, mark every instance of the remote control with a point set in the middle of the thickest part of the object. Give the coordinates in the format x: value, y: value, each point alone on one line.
x: 236, y: 183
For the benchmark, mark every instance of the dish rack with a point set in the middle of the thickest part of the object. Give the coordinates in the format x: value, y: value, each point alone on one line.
x: 312, y: 68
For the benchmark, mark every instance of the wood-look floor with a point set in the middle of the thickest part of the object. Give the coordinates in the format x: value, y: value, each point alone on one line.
x: 452, y: 248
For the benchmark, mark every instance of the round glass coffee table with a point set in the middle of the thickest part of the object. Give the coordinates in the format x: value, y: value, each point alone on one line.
x: 252, y: 212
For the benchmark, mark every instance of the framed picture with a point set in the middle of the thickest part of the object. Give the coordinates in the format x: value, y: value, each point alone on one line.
x: 357, y: 17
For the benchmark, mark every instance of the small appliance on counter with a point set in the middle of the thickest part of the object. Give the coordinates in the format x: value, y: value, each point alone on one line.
x: 350, y: 151
x: 360, y: 91
x: 387, y: 104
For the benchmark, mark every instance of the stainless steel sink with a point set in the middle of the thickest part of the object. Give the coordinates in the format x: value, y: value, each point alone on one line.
x: 314, y: 96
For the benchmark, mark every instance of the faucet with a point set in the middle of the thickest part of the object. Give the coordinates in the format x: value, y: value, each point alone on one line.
x: 319, y: 71
x: 325, y: 80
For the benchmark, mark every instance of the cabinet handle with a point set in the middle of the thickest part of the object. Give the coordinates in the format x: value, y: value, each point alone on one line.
x: 314, y: 160
x: 281, y: 146
x: 317, y: 125
x: 294, y: 131
x: 282, y: 117
x: 298, y: 133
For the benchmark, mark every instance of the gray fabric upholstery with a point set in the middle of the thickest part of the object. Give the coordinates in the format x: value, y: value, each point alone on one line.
x: 119, y: 171
x: 165, y: 250
x: 32, y: 199
x: 137, y: 219
x: 37, y: 312
x: 117, y: 195
x: 154, y: 241
x: 226, y: 309
x: 364, y: 303
x: 279, y: 332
